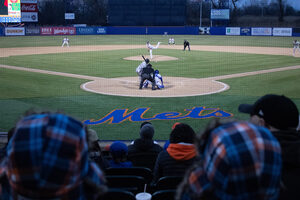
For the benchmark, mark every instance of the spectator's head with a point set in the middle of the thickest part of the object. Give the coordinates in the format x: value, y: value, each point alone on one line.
x: 47, y: 157
x: 118, y: 151
x: 182, y: 133
x: 239, y: 160
x: 93, y: 140
x: 147, y: 131
x: 273, y: 111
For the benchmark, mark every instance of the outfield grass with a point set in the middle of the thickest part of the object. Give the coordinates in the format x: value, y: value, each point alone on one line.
x: 20, y: 91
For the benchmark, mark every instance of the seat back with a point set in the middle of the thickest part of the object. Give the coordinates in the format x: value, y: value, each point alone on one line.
x: 145, y: 159
x: 168, y: 182
x: 132, y: 184
x: 144, y: 172
x: 163, y: 195
x: 116, y: 194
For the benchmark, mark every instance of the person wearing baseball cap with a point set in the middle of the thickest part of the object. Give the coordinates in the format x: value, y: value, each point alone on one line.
x: 47, y: 158
x: 280, y: 115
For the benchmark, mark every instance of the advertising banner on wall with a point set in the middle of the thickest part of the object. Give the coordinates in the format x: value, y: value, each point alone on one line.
x: 86, y: 31
x: 64, y: 30
x: 233, y: 31
x: 29, y: 7
x: 29, y: 17
x: 46, y: 31
x: 101, y: 30
x: 220, y: 14
x: 9, y: 31
x: 32, y: 31
x: 282, y: 31
x: 261, y: 31
x: 69, y: 15
x: 246, y: 31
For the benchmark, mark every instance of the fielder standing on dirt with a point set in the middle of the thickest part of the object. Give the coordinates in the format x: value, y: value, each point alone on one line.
x: 65, y: 41
x: 186, y: 44
x: 296, y: 45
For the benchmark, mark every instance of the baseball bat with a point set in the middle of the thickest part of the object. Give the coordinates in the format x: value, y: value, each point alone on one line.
x: 144, y: 58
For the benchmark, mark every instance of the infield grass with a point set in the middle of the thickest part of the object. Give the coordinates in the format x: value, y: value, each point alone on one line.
x: 20, y: 90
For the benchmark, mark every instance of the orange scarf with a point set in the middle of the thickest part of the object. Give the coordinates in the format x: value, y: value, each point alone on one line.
x: 182, y: 151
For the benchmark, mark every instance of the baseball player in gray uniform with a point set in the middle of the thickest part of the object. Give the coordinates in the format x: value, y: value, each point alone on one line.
x: 140, y: 68
x: 150, y: 47
x: 296, y: 45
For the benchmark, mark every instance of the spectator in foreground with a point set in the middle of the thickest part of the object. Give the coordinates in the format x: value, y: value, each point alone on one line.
x: 238, y: 161
x: 281, y: 116
x: 47, y: 158
x: 143, y: 152
x: 179, y: 155
x: 95, y: 152
x: 119, y: 151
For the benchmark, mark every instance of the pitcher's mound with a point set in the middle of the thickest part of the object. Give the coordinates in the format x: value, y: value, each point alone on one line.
x: 155, y: 58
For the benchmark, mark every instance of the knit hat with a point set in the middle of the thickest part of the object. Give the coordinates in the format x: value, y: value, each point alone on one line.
x: 47, y: 157
x: 118, y: 149
x: 147, y: 131
x: 278, y: 111
x: 182, y: 133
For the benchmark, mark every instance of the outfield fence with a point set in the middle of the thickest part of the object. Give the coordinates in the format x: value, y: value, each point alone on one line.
x: 163, y: 30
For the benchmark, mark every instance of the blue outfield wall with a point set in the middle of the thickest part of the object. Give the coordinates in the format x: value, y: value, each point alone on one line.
x: 186, y: 30
x: 217, y: 30
x: 133, y: 30
x: 1, y: 31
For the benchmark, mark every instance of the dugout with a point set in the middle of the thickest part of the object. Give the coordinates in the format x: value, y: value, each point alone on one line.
x: 146, y: 12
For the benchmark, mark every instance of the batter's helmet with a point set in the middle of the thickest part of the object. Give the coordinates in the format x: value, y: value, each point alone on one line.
x: 147, y: 60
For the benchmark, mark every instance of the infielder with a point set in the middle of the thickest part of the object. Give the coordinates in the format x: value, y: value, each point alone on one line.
x: 140, y: 68
x: 65, y: 41
x: 186, y: 44
x: 158, y: 81
x: 150, y: 48
x: 296, y: 45
x: 171, y: 41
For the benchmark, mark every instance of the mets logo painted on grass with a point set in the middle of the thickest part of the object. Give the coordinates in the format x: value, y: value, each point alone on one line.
x: 120, y: 115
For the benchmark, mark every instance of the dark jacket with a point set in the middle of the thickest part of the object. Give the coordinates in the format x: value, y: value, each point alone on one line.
x: 166, y: 165
x: 290, y: 148
x: 143, y: 152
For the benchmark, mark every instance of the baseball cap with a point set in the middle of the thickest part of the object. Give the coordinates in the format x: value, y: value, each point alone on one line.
x: 277, y: 110
x: 118, y: 149
x: 47, y: 157
x: 92, y: 137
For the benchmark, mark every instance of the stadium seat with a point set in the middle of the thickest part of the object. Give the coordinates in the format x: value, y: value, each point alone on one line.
x: 134, y: 171
x: 168, y: 182
x: 117, y: 194
x: 143, y: 160
x: 163, y: 195
x: 134, y: 184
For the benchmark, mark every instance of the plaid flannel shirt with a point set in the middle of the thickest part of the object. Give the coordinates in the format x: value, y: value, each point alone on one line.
x: 47, y: 157
x: 240, y: 161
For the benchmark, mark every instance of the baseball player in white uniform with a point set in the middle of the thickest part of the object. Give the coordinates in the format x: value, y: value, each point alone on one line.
x: 140, y: 67
x: 150, y: 48
x: 296, y: 45
x: 65, y: 41
x: 171, y: 41
x: 158, y: 81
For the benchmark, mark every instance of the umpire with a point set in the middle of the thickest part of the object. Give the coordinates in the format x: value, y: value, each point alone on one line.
x: 147, y: 74
x: 186, y: 44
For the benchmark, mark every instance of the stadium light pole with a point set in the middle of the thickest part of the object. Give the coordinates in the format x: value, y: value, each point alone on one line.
x: 200, y: 7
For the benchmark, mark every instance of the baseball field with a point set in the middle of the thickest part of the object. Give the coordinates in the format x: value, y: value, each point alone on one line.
x: 95, y: 81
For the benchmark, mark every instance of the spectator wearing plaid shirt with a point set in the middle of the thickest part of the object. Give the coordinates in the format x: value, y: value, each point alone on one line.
x: 47, y: 158
x: 238, y: 161
x: 281, y: 116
